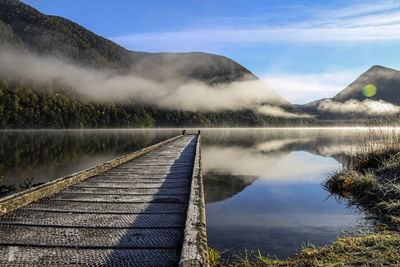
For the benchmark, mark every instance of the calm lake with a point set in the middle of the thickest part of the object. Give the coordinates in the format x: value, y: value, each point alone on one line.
x: 262, y: 186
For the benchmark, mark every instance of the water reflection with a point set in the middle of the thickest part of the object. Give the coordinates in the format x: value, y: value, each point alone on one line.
x: 29, y: 158
x: 220, y: 186
x: 262, y: 187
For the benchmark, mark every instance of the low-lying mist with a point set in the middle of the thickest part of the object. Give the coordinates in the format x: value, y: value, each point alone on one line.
x: 367, y: 107
x: 172, y: 93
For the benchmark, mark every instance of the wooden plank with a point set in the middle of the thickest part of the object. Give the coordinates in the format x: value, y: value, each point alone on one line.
x: 111, y: 208
x: 51, y: 256
x: 129, y: 191
x: 40, y: 218
x: 171, y: 198
x: 18, y: 235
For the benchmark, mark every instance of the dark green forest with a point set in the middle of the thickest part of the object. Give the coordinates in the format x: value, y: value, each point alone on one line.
x: 30, y: 105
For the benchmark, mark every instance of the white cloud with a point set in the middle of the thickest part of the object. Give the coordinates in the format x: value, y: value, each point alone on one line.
x: 361, y: 9
x: 362, y: 22
x: 209, y: 39
x: 303, y: 88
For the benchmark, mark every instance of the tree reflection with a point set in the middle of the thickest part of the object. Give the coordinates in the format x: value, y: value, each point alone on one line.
x: 30, y: 158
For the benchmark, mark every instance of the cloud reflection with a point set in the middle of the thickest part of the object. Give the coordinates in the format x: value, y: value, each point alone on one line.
x: 270, y: 161
x: 300, y: 167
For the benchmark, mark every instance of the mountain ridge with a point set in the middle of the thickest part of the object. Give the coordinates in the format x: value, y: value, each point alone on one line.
x: 60, y: 37
x: 386, y: 80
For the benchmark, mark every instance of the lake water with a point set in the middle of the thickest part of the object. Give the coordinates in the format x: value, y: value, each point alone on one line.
x: 262, y: 186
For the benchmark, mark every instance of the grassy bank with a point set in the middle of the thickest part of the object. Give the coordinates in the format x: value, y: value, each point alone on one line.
x: 380, y: 248
x: 371, y: 184
x: 373, y: 249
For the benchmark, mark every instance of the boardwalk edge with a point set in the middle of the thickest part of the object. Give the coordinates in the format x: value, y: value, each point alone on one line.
x: 194, y: 249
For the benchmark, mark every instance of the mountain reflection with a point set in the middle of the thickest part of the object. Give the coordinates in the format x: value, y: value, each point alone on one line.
x: 234, y: 159
x: 221, y: 186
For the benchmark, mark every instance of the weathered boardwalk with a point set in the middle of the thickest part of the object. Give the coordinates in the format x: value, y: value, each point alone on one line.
x: 145, y: 212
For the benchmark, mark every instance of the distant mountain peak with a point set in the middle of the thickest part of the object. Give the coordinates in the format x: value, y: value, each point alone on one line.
x: 386, y: 80
x: 379, y: 67
x: 386, y: 84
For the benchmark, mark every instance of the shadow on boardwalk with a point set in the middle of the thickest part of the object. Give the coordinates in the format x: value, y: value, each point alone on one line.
x: 164, y: 243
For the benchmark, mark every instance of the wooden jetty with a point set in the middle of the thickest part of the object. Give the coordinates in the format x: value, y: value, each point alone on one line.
x: 143, y: 209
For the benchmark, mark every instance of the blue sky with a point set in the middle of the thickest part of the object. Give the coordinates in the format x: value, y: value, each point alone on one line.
x: 304, y: 50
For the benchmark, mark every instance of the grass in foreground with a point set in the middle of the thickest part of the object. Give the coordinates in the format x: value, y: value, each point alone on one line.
x: 372, y: 249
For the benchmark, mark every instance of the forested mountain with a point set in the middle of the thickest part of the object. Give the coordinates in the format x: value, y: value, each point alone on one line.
x: 27, y: 103
x: 57, y: 36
